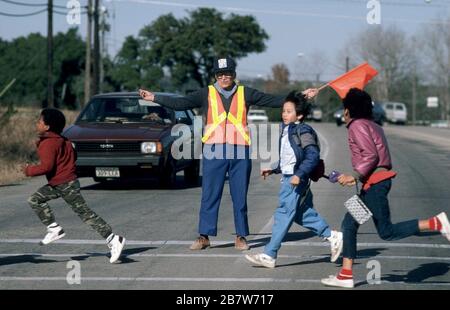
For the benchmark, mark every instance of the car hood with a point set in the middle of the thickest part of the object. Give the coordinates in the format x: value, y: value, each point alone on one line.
x: 113, y: 131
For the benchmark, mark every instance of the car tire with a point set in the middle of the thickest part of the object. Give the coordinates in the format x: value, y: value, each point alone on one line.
x: 192, y: 173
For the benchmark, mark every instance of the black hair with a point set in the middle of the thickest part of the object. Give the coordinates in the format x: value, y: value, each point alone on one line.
x: 358, y: 103
x: 302, y: 106
x: 54, y: 119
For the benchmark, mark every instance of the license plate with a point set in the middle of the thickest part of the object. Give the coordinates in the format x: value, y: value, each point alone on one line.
x: 107, y: 172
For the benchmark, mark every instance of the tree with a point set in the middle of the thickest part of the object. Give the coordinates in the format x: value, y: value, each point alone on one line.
x: 188, y: 46
x: 279, y: 81
x: 311, y: 67
x: 24, y: 58
x: 388, y: 50
x: 130, y: 72
x: 436, y: 60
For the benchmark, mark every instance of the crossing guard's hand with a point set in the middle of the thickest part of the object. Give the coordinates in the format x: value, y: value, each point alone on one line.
x: 310, y: 92
x: 146, y: 95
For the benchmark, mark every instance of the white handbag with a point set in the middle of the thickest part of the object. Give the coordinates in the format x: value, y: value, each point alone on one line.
x: 358, y: 210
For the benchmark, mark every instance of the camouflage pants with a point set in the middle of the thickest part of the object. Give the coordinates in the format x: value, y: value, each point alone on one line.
x: 70, y: 192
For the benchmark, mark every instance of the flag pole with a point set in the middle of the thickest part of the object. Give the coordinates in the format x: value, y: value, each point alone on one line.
x: 322, y: 87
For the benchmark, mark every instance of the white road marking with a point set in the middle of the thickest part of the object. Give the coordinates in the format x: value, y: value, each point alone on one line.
x: 188, y: 279
x: 212, y: 255
x: 223, y: 242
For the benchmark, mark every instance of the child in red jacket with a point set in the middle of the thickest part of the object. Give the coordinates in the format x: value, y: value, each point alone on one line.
x: 57, y: 162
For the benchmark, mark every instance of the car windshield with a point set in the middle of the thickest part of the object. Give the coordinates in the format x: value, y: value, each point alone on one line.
x: 125, y: 110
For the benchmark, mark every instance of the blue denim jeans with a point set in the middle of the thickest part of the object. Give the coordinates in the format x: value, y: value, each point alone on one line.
x: 376, y: 200
x: 232, y: 160
x: 290, y: 211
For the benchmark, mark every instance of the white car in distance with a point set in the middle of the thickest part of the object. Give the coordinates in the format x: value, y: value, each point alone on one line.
x: 257, y: 116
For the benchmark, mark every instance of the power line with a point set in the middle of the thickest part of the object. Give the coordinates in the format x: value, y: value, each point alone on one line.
x: 23, y: 15
x: 36, y: 13
x: 273, y: 12
x: 31, y: 4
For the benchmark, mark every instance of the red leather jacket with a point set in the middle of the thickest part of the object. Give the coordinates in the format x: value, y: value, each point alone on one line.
x: 368, y: 147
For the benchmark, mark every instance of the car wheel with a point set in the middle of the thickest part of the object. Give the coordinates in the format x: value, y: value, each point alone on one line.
x: 338, y: 123
x: 192, y: 173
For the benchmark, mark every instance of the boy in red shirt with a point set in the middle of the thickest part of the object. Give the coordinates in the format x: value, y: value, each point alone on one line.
x: 57, y: 162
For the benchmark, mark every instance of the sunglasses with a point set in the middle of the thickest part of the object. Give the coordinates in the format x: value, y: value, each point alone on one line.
x: 227, y: 74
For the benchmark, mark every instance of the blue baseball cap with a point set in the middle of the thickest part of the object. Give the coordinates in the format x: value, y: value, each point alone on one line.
x: 226, y: 64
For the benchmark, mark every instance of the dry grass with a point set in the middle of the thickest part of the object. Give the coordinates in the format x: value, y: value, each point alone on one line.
x: 17, y: 142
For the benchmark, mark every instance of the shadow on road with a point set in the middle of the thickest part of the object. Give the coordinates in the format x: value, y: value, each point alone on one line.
x: 421, y: 273
x: 126, y: 260
x: 20, y: 259
x: 10, y: 185
x: 124, y: 257
x: 368, y: 253
x: 292, y: 236
x: 307, y: 262
x: 130, y: 184
x: 418, y: 275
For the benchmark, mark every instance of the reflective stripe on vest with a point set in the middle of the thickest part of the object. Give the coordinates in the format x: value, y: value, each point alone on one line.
x: 217, y: 129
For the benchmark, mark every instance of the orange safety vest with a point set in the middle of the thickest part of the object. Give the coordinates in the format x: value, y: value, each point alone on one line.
x: 228, y: 128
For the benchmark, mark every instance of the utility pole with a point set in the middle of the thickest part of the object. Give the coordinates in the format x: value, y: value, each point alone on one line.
x: 96, y: 71
x: 414, y: 94
x: 50, y: 100
x: 103, y: 29
x: 87, y: 68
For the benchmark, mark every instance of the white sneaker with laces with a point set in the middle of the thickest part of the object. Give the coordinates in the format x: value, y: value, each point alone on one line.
x: 54, y: 232
x: 116, y: 244
x: 261, y: 260
x: 445, y: 230
x: 336, y: 242
x: 334, y: 281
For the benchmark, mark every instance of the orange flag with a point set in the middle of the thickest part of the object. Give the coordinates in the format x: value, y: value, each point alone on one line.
x: 357, y: 77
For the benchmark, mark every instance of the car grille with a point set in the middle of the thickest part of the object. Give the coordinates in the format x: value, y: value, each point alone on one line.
x: 108, y: 147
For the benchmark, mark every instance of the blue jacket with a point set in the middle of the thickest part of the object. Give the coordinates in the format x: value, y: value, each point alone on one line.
x: 304, y: 142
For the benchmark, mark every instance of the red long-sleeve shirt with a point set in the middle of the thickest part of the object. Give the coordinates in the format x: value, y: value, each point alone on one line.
x: 57, y: 160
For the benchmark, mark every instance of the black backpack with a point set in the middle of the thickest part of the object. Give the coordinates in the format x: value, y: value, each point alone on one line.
x: 319, y: 171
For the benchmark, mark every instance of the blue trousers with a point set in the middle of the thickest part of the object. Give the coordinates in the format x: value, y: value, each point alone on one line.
x: 290, y: 211
x: 376, y: 200
x: 236, y: 162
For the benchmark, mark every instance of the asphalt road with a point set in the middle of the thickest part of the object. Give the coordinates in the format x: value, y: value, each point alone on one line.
x: 160, y: 224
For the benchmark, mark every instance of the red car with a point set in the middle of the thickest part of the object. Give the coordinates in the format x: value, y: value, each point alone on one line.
x: 119, y: 135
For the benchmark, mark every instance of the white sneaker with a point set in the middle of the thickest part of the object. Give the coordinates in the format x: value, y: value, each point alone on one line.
x: 334, y: 281
x: 54, y: 232
x: 116, y: 244
x: 336, y: 243
x: 445, y: 230
x: 261, y: 259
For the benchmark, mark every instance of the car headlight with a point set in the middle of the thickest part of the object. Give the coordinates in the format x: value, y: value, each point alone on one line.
x: 74, y: 145
x: 150, y: 147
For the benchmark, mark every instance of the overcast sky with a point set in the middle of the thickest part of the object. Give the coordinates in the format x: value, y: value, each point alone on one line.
x: 295, y: 27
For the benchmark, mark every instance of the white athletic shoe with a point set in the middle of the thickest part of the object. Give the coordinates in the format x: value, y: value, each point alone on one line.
x: 334, y: 281
x: 54, y: 232
x: 261, y: 260
x: 445, y: 230
x: 336, y: 243
x: 116, y: 244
